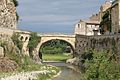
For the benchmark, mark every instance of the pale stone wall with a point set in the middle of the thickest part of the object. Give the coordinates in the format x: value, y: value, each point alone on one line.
x: 80, y: 28
x: 25, y: 39
x: 7, y: 14
x: 86, y: 27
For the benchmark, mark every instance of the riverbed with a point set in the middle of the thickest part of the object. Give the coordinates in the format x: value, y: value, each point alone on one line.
x: 68, y: 72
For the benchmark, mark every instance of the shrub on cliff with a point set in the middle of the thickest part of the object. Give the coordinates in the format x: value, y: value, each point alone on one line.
x: 15, y: 3
x: 33, y: 42
x: 15, y: 38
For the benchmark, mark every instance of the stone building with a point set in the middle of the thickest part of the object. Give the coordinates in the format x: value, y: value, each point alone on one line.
x: 8, y: 17
x: 86, y: 27
x: 95, y: 17
x: 105, y: 25
x: 115, y: 16
x: 105, y: 21
x: 111, y: 18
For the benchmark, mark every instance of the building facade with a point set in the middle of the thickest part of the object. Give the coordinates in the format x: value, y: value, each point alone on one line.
x: 115, y: 16
x: 107, y: 19
x: 86, y: 27
x: 110, y: 22
x: 105, y: 25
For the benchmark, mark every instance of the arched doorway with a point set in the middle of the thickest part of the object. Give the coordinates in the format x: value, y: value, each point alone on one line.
x: 56, y: 48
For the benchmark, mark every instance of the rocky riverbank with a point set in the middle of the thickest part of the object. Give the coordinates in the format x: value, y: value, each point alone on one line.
x: 28, y: 75
x: 47, y: 72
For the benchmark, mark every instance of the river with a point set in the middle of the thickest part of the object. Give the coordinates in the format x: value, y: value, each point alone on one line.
x: 68, y: 72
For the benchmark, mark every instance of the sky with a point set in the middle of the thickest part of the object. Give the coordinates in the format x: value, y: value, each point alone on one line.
x: 54, y: 16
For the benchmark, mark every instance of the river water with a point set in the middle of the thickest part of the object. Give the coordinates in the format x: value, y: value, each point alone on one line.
x: 68, y: 72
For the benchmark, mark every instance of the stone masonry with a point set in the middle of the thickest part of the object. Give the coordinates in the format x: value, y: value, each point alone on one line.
x: 109, y: 43
x: 7, y: 14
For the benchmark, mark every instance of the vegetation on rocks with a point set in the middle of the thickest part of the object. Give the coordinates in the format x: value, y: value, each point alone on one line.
x: 16, y: 40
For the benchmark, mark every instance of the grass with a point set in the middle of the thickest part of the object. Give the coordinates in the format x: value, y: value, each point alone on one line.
x: 30, y: 65
x: 56, y: 57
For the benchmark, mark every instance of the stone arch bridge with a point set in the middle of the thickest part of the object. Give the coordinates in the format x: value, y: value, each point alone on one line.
x: 70, y: 39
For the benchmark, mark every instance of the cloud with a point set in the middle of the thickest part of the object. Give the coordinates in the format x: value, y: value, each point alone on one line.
x: 49, y: 18
x: 55, y: 12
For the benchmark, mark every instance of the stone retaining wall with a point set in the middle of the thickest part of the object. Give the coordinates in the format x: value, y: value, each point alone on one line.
x: 109, y: 43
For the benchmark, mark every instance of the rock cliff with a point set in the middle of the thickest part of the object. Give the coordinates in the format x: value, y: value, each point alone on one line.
x: 8, y: 13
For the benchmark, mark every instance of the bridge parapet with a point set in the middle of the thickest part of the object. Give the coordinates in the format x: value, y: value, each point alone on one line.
x: 55, y: 35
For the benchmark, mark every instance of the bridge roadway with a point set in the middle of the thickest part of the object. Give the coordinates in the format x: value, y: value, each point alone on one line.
x: 55, y: 35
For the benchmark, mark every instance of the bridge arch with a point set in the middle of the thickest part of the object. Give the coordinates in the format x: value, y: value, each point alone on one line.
x: 70, y: 39
x: 69, y: 44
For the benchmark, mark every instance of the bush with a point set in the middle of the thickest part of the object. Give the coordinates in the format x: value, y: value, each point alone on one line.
x: 15, y: 37
x: 101, y: 67
x: 14, y: 57
x: 15, y: 3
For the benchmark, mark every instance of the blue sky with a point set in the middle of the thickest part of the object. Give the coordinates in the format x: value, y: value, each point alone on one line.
x: 49, y: 16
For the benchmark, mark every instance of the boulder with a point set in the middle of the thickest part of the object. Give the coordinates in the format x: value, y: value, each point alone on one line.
x: 74, y: 61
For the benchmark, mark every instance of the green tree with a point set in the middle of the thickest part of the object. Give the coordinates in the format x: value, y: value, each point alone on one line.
x: 54, y: 47
x: 33, y: 42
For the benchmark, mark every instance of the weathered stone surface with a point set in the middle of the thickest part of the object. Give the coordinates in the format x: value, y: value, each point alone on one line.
x: 74, y: 61
x: 8, y: 44
x: 1, y: 52
x: 109, y: 43
x: 7, y: 65
x: 7, y: 14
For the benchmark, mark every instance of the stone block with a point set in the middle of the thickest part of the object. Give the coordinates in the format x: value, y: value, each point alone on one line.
x: 1, y: 52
